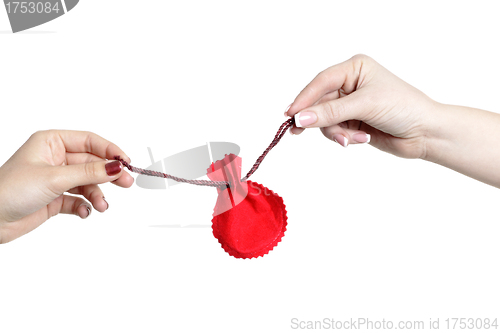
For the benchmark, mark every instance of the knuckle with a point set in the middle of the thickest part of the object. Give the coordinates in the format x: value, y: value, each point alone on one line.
x: 340, y: 110
x: 360, y: 60
x: 329, y: 114
x: 309, y: 90
x: 48, y: 136
x: 324, y: 76
x: 361, y: 57
x: 333, y: 113
x: 88, y: 141
x: 90, y: 171
x: 89, y: 134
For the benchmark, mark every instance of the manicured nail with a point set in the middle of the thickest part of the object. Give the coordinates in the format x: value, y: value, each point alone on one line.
x: 288, y: 108
x: 305, y: 118
x: 340, y: 139
x: 106, y: 203
x: 361, y: 137
x: 88, y: 212
x: 112, y: 168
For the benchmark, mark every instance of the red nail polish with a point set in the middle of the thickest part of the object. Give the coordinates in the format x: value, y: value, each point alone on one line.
x: 112, y: 168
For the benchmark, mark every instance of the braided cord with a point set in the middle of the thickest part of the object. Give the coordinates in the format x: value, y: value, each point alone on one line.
x: 284, y: 127
x: 282, y: 130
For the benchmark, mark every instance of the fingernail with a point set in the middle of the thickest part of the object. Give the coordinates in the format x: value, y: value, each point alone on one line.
x: 288, y: 108
x: 340, y: 139
x: 361, y: 137
x: 88, y: 212
x: 305, y: 118
x: 113, y: 168
x: 106, y: 203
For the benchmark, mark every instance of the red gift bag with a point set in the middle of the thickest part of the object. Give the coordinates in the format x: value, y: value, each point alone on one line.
x: 249, y: 219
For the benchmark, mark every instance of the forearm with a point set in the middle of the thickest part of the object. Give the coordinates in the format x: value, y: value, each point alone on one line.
x: 466, y: 140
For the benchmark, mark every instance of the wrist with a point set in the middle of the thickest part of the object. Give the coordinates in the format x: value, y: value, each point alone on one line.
x: 436, y: 128
x: 465, y: 140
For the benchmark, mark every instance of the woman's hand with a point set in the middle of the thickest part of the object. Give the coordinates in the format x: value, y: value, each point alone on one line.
x: 360, y: 101
x: 50, y: 163
x: 359, y: 97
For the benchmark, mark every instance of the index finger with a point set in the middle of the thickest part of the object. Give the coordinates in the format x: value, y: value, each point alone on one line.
x: 341, y: 76
x: 88, y: 142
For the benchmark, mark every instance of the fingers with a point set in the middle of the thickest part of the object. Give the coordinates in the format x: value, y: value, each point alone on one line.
x: 328, y: 97
x: 88, y: 142
x: 343, y: 77
x: 80, y: 158
x: 76, y: 206
x: 85, y: 147
x: 67, y: 204
x: 93, y: 194
x: 332, y: 96
x: 296, y: 131
x: 63, y: 178
x: 333, y: 112
x: 64, y: 204
x: 345, y: 136
x: 125, y: 180
x: 345, y: 133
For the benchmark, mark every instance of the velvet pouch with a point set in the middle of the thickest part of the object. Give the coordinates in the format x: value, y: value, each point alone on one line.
x: 249, y: 220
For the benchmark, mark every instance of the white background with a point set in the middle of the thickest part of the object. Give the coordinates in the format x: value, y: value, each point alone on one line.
x: 369, y: 234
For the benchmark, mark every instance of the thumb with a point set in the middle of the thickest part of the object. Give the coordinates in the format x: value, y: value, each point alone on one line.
x: 70, y: 176
x: 331, y: 112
